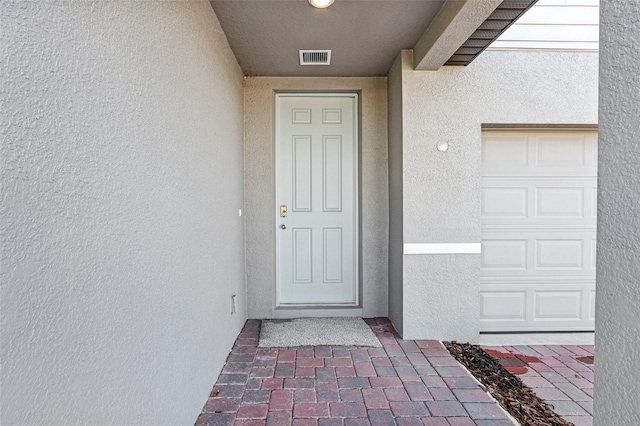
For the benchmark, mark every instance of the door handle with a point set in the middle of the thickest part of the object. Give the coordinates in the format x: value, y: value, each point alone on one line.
x: 283, y: 226
x: 283, y: 211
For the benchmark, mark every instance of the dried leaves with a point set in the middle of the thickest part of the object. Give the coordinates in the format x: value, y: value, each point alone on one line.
x: 513, y: 395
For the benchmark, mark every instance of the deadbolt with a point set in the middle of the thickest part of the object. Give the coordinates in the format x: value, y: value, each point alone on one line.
x: 283, y: 226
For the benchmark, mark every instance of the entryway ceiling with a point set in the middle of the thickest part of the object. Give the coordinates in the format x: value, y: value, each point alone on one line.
x: 365, y: 36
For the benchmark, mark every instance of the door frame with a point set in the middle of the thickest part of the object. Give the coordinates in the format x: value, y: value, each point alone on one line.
x: 354, y: 95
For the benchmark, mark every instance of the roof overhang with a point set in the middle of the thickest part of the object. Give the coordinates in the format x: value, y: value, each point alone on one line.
x: 365, y: 36
x: 508, y: 12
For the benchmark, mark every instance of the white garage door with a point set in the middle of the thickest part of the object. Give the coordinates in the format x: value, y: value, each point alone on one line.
x: 538, y: 230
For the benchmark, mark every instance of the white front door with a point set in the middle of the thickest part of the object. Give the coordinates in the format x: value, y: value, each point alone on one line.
x: 316, y: 169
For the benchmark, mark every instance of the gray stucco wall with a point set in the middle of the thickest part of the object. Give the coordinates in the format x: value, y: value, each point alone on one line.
x: 441, y: 191
x: 395, y: 194
x: 617, y: 381
x: 122, y: 176
x: 260, y: 187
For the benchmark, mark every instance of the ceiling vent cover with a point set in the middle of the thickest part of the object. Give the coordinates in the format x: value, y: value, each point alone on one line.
x: 315, y: 57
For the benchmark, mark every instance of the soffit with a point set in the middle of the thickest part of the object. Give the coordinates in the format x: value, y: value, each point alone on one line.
x: 365, y: 36
x: 497, y: 23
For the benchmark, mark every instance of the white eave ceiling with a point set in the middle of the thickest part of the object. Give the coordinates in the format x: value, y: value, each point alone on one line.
x: 365, y: 36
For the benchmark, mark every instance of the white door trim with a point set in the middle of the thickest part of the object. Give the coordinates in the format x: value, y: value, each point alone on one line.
x: 356, y: 218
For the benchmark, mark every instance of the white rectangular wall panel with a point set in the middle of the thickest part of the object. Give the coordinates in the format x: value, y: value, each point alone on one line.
x: 538, y: 216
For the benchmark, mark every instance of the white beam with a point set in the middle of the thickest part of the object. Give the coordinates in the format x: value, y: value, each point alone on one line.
x: 452, y: 26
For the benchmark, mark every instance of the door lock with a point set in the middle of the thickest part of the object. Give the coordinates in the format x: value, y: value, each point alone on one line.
x: 283, y: 226
x: 283, y: 211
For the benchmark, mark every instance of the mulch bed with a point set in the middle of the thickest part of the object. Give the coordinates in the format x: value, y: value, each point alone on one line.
x: 510, y: 392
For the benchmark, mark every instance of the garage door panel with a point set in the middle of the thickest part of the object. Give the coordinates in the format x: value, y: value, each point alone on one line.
x: 503, y: 306
x: 559, y: 255
x: 560, y: 152
x: 537, y: 281
x: 505, y: 202
x: 539, y: 153
x: 557, y: 199
x: 592, y: 305
x: 505, y: 255
x: 557, y: 305
x: 539, y: 205
x: 592, y: 150
x: 505, y: 151
x: 553, y: 202
x: 534, y: 201
x: 533, y: 252
x: 536, y: 306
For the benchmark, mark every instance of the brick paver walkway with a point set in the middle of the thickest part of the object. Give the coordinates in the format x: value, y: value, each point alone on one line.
x: 405, y: 383
x: 561, y: 375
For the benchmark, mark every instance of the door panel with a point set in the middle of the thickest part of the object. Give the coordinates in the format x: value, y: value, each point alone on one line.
x: 332, y: 173
x: 316, y: 158
x: 302, y: 170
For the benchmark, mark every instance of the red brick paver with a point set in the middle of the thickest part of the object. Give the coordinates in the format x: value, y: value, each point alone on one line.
x: 562, y: 375
x: 404, y: 383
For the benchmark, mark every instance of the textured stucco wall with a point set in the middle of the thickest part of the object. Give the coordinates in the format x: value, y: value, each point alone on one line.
x: 122, y: 175
x: 394, y: 96
x: 441, y: 191
x: 617, y: 381
x: 260, y: 187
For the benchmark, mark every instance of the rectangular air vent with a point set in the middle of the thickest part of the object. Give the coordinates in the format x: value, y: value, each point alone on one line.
x: 315, y: 57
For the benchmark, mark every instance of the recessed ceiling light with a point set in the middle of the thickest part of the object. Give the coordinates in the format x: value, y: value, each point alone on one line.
x: 321, y: 4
